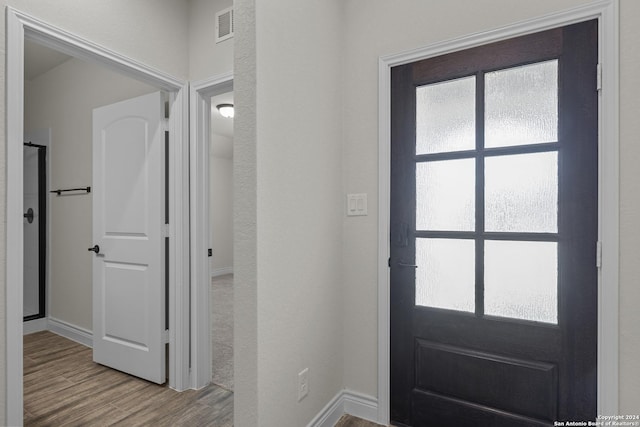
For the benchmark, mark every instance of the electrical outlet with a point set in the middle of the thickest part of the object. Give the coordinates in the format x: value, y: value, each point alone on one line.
x: 303, y: 383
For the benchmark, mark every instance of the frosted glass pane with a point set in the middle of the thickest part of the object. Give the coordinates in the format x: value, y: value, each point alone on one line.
x: 445, y: 277
x: 521, y: 280
x: 521, y: 193
x: 521, y: 105
x: 445, y: 195
x: 445, y: 116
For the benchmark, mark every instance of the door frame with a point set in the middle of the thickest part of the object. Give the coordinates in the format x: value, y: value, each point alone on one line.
x: 606, y: 12
x: 200, y: 122
x: 21, y: 26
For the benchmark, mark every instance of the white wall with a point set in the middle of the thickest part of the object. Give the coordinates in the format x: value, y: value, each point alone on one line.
x: 629, y: 206
x: 295, y: 216
x: 300, y: 207
x: 221, y: 212
x: 423, y: 23
x: 154, y: 32
x: 245, y: 209
x: 206, y: 57
x: 63, y: 99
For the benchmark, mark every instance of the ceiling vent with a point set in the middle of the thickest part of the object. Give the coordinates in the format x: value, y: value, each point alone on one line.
x: 224, y: 24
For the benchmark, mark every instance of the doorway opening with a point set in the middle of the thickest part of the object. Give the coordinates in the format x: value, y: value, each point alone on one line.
x: 22, y: 28
x: 221, y: 241
x: 60, y: 94
x: 211, y: 135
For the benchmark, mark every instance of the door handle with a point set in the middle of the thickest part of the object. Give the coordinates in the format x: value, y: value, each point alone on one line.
x: 95, y: 249
x: 29, y: 215
x: 403, y: 265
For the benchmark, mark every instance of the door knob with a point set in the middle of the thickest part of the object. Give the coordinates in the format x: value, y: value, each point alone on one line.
x: 95, y: 249
x: 29, y: 215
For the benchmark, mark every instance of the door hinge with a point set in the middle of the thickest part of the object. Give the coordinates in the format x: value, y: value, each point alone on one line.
x: 165, y: 336
x: 389, y: 262
x: 599, y: 77
x: 598, y: 254
x: 166, y: 230
x: 164, y: 124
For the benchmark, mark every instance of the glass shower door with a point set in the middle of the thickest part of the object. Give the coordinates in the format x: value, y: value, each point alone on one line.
x: 34, y: 231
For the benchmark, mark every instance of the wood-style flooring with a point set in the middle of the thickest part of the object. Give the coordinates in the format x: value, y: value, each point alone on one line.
x: 351, y: 421
x: 64, y: 387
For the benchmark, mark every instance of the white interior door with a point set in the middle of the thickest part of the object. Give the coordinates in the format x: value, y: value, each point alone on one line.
x: 128, y: 218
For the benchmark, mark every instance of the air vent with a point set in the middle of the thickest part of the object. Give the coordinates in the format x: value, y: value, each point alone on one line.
x: 224, y: 25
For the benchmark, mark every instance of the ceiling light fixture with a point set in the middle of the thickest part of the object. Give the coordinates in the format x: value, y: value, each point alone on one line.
x: 226, y: 110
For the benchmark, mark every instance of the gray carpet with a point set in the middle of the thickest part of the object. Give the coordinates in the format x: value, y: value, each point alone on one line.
x: 222, y: 331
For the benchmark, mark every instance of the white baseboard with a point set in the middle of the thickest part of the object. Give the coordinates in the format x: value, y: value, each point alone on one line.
x: 32, y: 326
x: 330, y: 414
x: 361, y: 406
x: 72, y: 332
x: 346, y: 402
x: 215, y: 272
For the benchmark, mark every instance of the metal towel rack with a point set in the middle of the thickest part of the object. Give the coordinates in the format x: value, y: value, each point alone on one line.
x: 60, y: 191
x: 31, y: 144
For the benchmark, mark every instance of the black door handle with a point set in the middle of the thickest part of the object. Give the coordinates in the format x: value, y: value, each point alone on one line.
x: 404, y: 265
x: 29, y: 215
x: 95, y: 249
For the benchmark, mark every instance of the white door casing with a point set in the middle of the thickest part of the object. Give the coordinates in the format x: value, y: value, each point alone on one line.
x: 200, y: 115
x: 128, y: 218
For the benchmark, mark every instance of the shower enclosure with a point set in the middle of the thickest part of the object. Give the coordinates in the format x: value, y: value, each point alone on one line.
x: 35, y: 230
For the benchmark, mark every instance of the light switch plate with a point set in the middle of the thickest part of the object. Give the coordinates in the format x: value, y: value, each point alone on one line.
x: 357, y: 204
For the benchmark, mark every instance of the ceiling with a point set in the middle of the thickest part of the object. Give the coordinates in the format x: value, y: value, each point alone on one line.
x: 39, y: 59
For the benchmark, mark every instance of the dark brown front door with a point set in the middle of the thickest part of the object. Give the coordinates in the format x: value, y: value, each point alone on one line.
x: 493, y: 233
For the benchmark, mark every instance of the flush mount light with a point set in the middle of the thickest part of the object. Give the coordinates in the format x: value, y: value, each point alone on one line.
x: 226, y: 110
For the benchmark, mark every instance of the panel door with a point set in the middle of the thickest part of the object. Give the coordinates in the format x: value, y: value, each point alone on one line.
x: 494, y: 233
x: 128, y: 218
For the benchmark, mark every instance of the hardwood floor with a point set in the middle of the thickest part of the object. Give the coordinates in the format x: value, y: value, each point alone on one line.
x: 351, y: 421
x: 64, y: 387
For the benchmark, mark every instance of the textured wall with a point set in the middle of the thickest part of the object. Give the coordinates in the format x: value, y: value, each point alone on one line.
x: 154, y: 32
x: 629, y: 207
x: 245, y: 295
x: 292, y: 154
x: 206, y: 57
